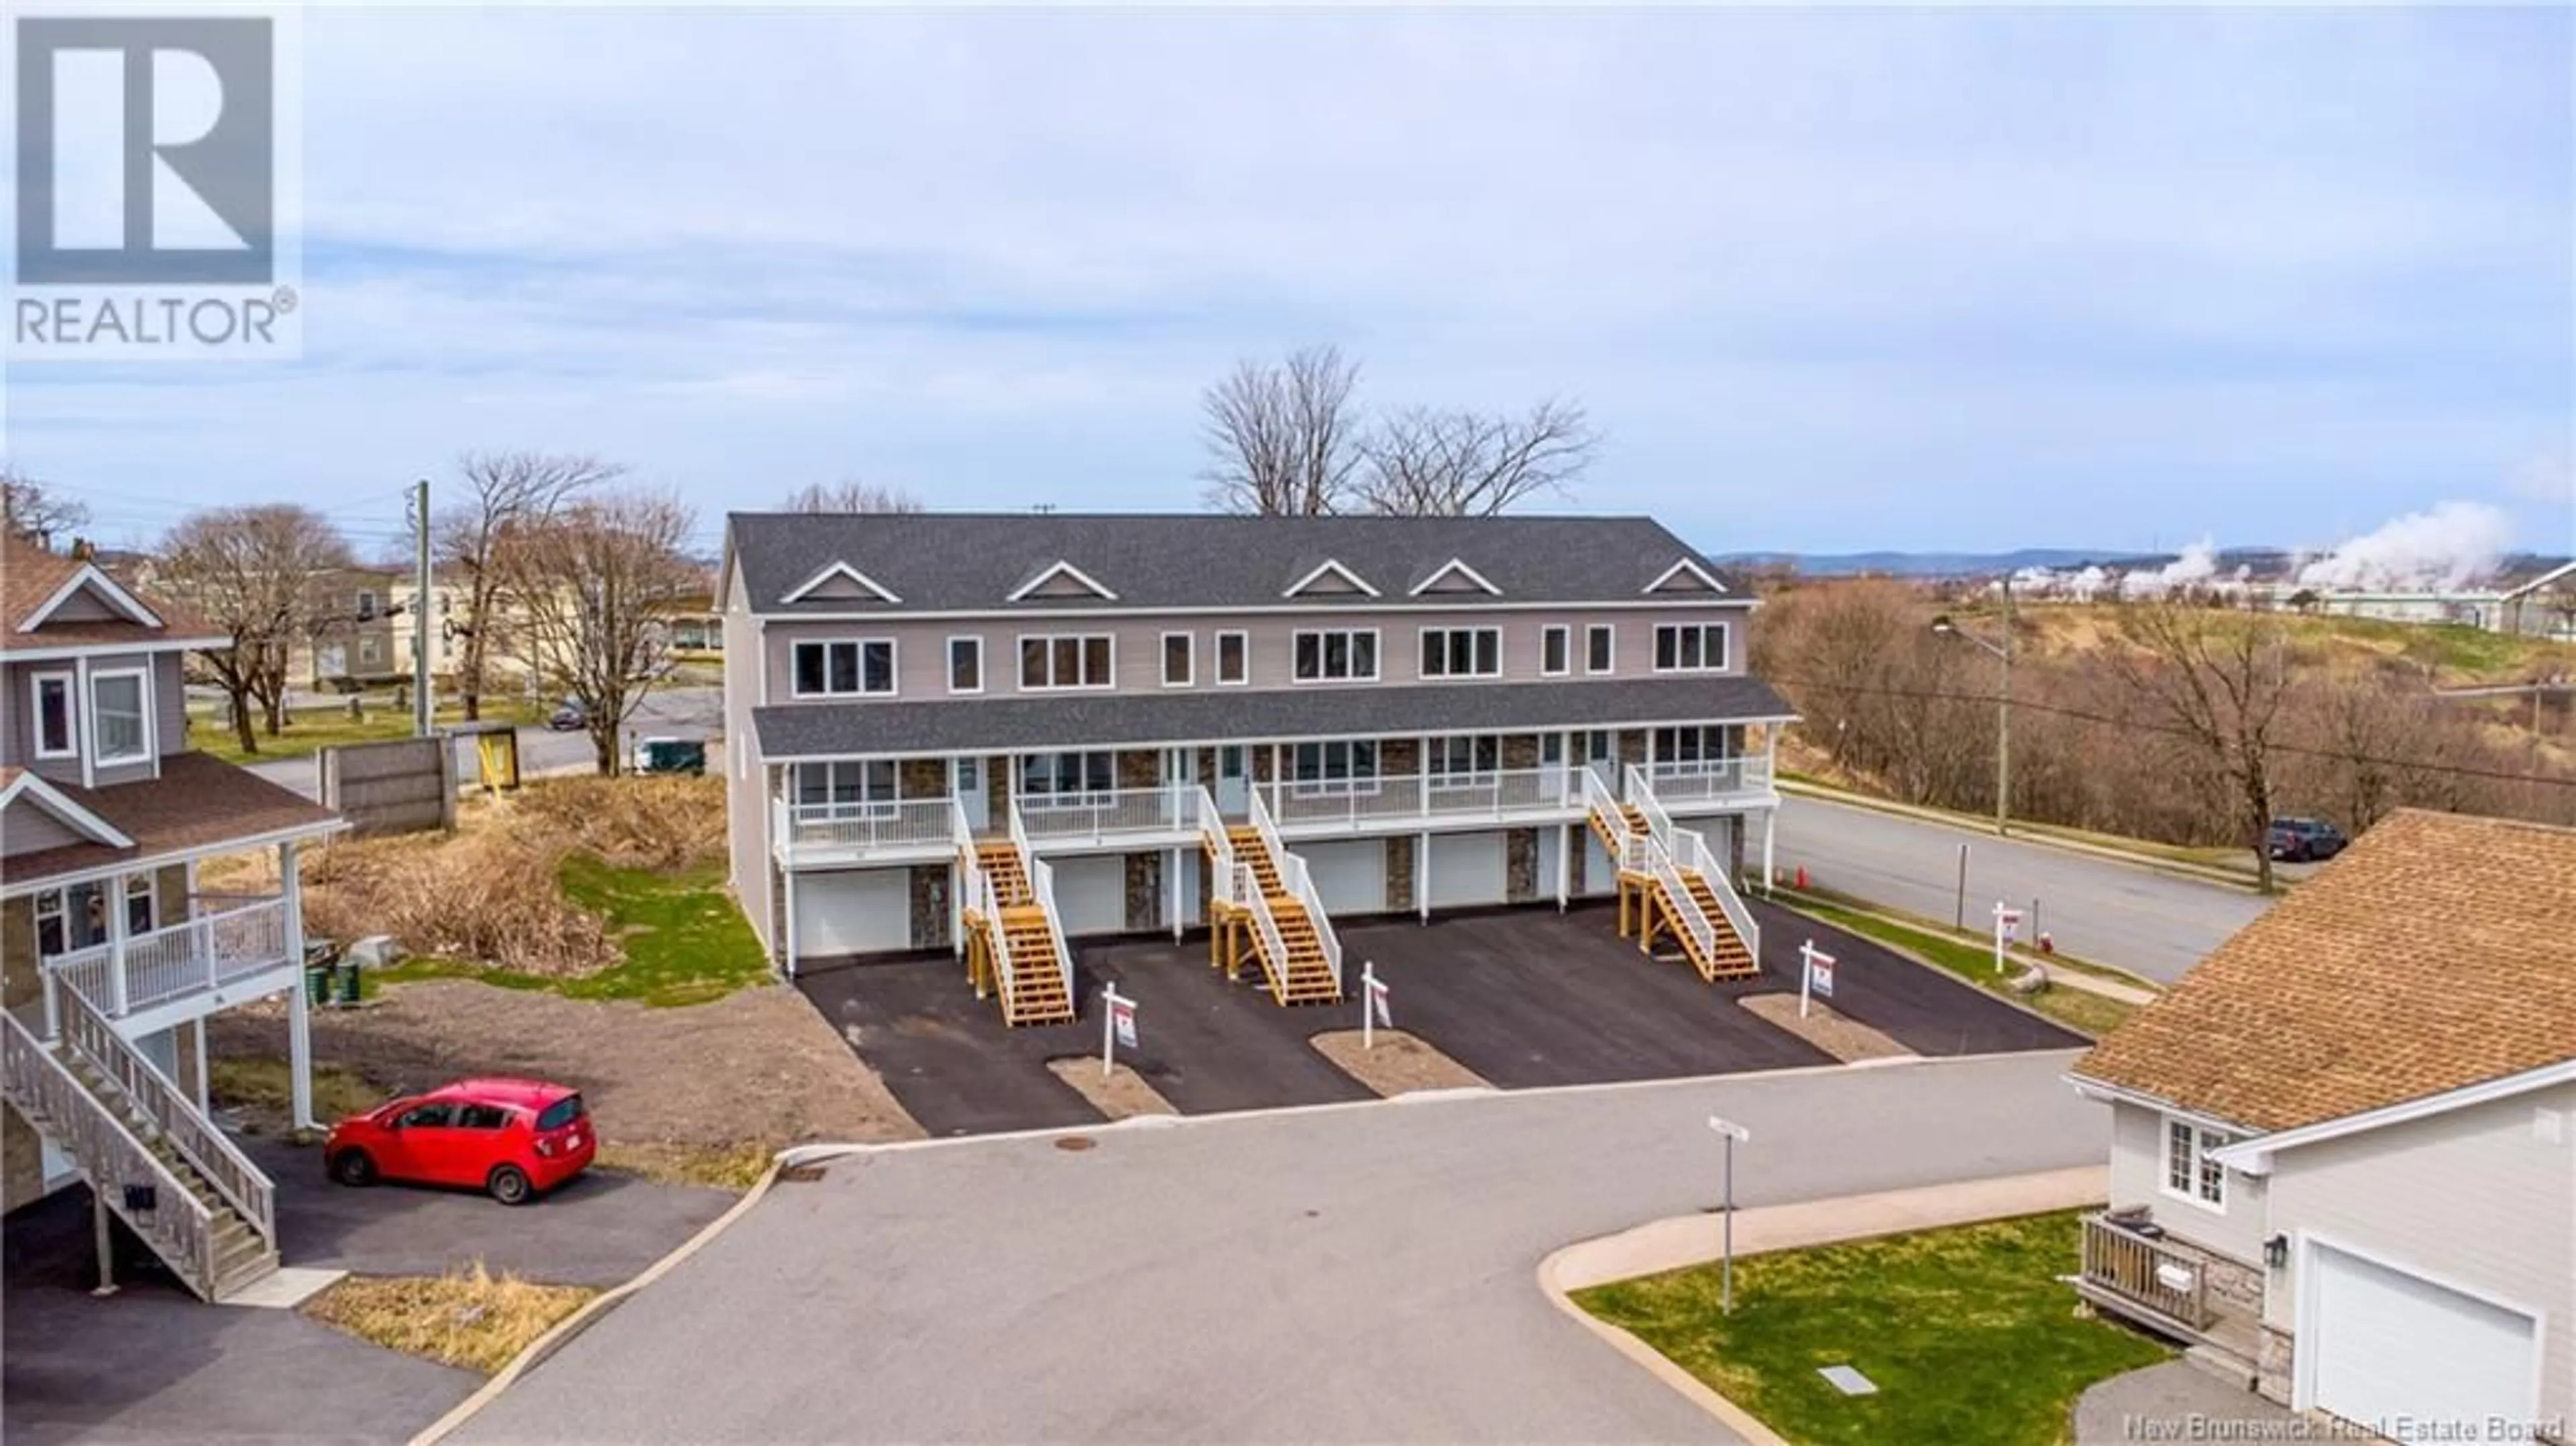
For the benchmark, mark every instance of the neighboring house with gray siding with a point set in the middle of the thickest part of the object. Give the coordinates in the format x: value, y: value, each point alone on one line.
x: 2343, y: 1148
x: 1409, y: 704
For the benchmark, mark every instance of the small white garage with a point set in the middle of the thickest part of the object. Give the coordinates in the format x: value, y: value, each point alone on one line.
x: 1467, y: 869
x: 1350, y: 875
x: 1090, y: 893
x: 2376, y: 1343
x: 852, y: 911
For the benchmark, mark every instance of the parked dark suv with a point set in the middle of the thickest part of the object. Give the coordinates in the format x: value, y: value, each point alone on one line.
x: 2303, y: 840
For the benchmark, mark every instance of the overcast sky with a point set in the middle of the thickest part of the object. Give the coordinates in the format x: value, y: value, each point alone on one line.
x: 1828, y: 280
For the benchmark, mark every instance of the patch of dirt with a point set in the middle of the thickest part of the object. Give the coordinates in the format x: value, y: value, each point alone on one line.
x: 1123, y: 1095
x: 1844, y: 1038
x: 758, y: 1066
x: 1398, y: 1064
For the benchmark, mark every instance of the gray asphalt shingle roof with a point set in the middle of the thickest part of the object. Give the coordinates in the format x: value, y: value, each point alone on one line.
x: 959, y: 561
x: 1005, y: 725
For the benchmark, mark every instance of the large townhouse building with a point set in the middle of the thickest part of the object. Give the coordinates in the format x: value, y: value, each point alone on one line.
x: 113, y: 952
x: 995, y: 733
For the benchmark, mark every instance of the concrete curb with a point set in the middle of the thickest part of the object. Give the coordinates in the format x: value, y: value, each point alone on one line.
x: 2204, y: 873
x: 1687, y: 1240
x: 597, y: 1309
x: 1919, y: 962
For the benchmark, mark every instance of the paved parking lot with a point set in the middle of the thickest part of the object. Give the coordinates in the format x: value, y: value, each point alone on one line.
x: 1523, y: 997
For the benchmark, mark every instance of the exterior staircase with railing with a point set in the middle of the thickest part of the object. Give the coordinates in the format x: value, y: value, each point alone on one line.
x: 1260, y: 883
x: 165, y: 1169
x: 1671, y: 880
x: 1013, y: 943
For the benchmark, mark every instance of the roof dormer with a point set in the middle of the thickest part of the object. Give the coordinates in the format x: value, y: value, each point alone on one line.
x: 1062, y: 579
x: 1685, y: 576
x: 1454, y: 576
x: 1330, y: 579
x: 841, y: 582
x: 35, y: 815
x: 88, y: 594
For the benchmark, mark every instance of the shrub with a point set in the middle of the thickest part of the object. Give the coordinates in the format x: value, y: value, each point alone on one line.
x: 666, y: 821
x: 487, y: 896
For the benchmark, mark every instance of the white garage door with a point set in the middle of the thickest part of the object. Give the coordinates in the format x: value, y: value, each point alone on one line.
x: 1350, y: 876
x: 1466, y: 869
x: 1090, y: 893
x: 863, y: 911
x: 2385, y: 1344
x: 1600, y: 871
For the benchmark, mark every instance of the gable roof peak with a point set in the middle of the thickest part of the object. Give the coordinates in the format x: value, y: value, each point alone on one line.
x: 1329, y: 568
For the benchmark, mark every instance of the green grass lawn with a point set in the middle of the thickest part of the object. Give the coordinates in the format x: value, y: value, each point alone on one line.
x: 1965, y: 1331
x: 2077, y: 1009
x: 311, y: 729
x: 685, y: 941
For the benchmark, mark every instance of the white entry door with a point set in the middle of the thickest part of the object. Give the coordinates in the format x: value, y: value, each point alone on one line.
x: 2379, y: 1343
x: 1233, y: 782
x: 966, y: 780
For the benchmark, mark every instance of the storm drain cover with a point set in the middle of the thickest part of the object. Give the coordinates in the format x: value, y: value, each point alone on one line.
x: 1848, y: 1381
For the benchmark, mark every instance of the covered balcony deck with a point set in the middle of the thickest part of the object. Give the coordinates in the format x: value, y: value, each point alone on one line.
x: 234, y: 950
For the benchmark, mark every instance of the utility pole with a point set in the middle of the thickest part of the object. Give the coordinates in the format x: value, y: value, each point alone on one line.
x: 422, y: 611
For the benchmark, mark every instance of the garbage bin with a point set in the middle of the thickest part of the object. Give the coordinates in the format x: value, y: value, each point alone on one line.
x: 317, y: 984
x: 348, y: 981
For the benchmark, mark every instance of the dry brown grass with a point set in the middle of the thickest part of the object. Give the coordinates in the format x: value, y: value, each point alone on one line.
x: 1124, y: 1094
x: 485, y: 895
x: 466, y: 1318
x: 667, y: 821
x: 723, y: 1167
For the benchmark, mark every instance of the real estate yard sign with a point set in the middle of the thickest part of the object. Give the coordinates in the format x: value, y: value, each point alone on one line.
x: 2007, y: 923
x: 1117, y: 1027
x: 1817, y: 977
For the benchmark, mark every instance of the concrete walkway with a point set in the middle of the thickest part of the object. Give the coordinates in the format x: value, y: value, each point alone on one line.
x: 2175, y: 1401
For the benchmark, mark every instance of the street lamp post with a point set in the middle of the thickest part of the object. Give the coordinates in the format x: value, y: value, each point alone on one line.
x: 2003, y: 651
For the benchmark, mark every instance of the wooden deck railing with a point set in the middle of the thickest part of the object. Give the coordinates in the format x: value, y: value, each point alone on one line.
x: 2173, y: 1283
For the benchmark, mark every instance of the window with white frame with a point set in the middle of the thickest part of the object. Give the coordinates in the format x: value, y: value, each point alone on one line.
x: 2190, y: 1170
x: 1233, y: 658
x: 1347, y: 655
x: 53, y: 934
x: 120, y: 712
x: 1068, y: 778
x: 1180, y: 659
x: 370, y: 653
x: 965, y: 665
x: 1599, y: 647
x: 1556, y: 650
x: 1066, y: 660
x: 1461, y: 760
x: 845, y: 668
x: 1690, y: 647
x: 1342, y: 766
x: 1706, y: 748
x: 57, y: 735
x: 1462, y: 652
x: 846, y: 788
x: 141, y: 904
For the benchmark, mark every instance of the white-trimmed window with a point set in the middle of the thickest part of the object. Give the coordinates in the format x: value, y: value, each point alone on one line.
x: 1462, y: 652
x: 846, y: 788
x: 1600, y: 648
x: 1556, y: 650
x: 1233, y: 658
x: 57, y: 731
x: 1343, y: 766
x: 1690, y: 647
x: 1180, y: 659
x: 1706, y: 748
x: 120, y: 717
x: 966, y: 665
x: 142, y: 904
x: 845, y: 668
x: 1068, y: 778
x: 1462, y: 760
x: 1340, y: 655
x: 2191, y: 1172
x: 53, y: 934
x: 1050, y: 662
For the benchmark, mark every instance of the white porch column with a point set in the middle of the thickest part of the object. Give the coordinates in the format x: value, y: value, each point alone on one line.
x: 787, y: 885
x: 202, y: 1095
x: 299, y: 1009
x: 1172, y: 890
x: 1569, y: 837
x: 1422, y: 874
x: 1770, y: 816
x: 112, y: 891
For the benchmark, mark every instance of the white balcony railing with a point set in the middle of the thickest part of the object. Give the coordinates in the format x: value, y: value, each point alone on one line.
x: 1042, y: 889
x: 1714, y: 781
x: 193, y: 956
x: 1101, y: 817
x: 861, y: 827
x: 1496, y: 795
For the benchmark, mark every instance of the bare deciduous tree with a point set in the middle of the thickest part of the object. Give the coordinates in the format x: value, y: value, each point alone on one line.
x: 1428, y: 462
x: 2218, y: 682
x: 850, y: 495
x: 31, y: 513
x: 595, y: 582
x: 1283, y: 438
x: 509, y: 490
x: 249, y: 571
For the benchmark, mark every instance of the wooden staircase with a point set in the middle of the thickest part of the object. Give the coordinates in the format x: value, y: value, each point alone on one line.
x: 1730, y: 959
x: 1035, y: 993
x: 1647, y: 909
x: 1612, y: 831
x: 1306, y: 977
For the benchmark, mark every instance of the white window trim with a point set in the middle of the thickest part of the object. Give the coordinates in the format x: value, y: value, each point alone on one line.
x: 1725, y: 647
x: 1556, y: 630
x: 950, y: 656
x: 88, y: 574
x: 71, y: 712
x: 151, y: 882
x: 1688, y: 566
x: 894, y: 668
x: 1377, y: 657
x: 1190, y: 655
x: 1218, y: 662
x: 1298, y: 588
x: 2205, y: 1145
x: 806, y: 588
x: 143, y: 691
x: 1458, y: 566
x: 1019, y: 675
x: 1424, y: 634
x: 1610, y: 667
x: 1351, y: 785
x: 1061, y: 569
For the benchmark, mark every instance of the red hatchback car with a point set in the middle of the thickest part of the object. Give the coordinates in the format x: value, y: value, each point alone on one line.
x: 516, y: 1138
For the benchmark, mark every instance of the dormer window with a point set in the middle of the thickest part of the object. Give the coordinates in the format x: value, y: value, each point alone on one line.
x: 120, y: 717
x: 56, y: 734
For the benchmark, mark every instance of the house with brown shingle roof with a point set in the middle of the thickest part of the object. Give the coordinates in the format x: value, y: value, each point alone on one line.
x: 113, y: 953
x: 2343, y: 1148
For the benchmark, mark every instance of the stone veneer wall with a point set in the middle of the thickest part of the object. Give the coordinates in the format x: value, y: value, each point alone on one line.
x: 930, y: 885
x: 1397, y: 757
x: 2274, y: 1354
x: 1632, y: 745
x: 1145, y: 890
x: 921, y: 778
x: 1520, y: 750
x: 1399, y: 872
x: 1139, y: 768
x: 1520, y: 865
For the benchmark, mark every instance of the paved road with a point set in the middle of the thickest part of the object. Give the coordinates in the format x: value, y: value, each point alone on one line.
x: 2155, y: 924
x: 1356, y: 1273
x: 679, y: 712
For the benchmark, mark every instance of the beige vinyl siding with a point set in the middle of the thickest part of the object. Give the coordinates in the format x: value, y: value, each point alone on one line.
x: 746, y: 777
x: 2138, y: 1178
x: 2479, y: 1198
